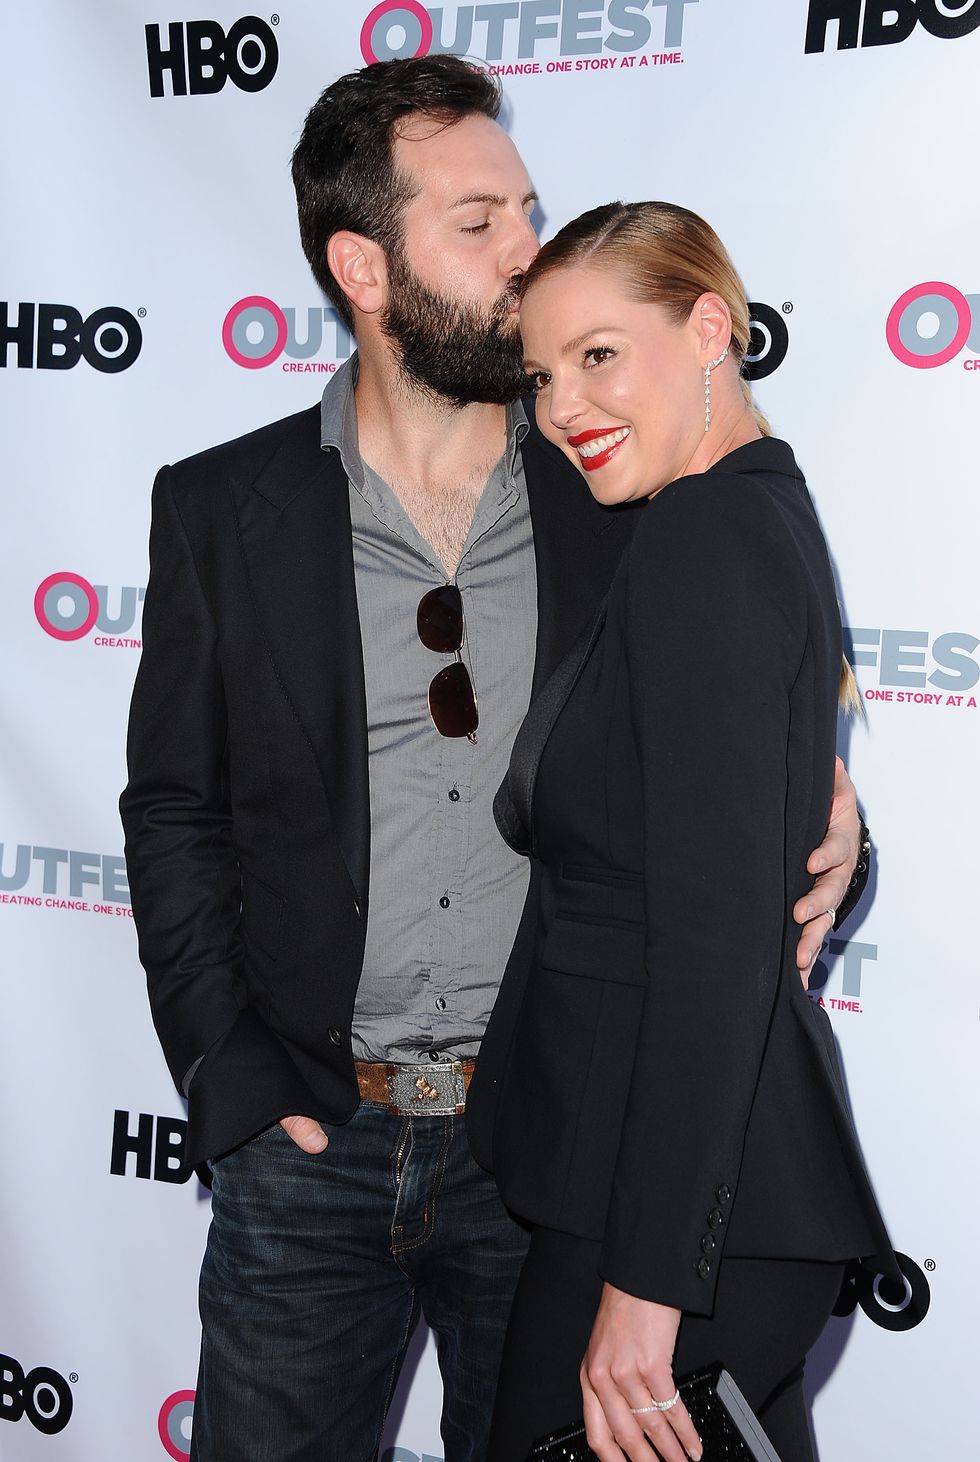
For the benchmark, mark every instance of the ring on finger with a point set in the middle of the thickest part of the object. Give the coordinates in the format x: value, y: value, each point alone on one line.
x: 657, y: 1405
x: 833, y: 916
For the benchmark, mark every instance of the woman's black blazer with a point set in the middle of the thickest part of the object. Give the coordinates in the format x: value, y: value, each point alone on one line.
x: 654, y: 1075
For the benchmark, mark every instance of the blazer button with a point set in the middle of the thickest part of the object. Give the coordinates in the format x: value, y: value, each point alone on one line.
x: 716, y: 1218
x: 704, y: 1268
x: 357, y: 908
x: 707, y: 1243
x: 336, y: 1039
x: 723, y: 1193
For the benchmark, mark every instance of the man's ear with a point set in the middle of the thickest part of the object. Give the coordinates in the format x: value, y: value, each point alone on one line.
x: 358, y: 265
x: 712, y: 321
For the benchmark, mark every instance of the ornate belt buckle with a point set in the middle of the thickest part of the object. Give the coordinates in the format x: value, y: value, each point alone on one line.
x: 436, y: 1090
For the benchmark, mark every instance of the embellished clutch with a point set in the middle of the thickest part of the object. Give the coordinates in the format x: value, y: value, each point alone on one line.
x: 726, y: 1425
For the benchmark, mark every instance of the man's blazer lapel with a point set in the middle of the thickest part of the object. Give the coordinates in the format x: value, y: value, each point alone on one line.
x: 295, y: 534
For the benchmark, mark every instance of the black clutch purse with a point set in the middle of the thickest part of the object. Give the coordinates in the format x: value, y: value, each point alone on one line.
x: 728, y: 1429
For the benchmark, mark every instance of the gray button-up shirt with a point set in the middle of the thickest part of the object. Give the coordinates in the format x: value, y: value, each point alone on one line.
x: 446, y: 892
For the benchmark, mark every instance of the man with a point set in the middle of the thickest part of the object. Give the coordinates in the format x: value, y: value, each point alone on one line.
x: 287, y: 766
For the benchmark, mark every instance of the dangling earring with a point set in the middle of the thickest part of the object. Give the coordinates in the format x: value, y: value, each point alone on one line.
x: 707, y: 386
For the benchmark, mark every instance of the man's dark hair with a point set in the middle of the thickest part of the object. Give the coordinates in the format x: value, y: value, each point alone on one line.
x: 343, y: 167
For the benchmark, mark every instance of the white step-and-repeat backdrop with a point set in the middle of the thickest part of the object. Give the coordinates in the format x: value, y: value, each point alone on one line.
x: 156, y: 300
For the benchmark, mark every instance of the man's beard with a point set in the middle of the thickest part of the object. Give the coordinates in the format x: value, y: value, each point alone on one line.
x: 452, y: 348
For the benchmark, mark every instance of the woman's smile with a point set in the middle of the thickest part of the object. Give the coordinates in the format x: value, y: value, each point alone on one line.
x: 595, y: 448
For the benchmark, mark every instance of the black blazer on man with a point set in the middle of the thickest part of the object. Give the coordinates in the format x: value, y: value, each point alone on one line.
x: 246, y: 813
x: 654, y: 1075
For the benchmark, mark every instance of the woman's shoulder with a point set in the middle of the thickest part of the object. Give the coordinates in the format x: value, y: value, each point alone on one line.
x: 745, y: 504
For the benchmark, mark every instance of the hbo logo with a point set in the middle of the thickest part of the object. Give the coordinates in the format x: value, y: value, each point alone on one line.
x: 888, y: 22
x: 200, y: 57
x: 889, y: 1304
x: 42, y: 1396
x: 56, y: 337
x: 768, y: 342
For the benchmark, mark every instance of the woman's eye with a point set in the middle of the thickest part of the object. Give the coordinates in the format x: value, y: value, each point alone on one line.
x: 598, y: 354
x: 538, y: 380
x: 477, y: 228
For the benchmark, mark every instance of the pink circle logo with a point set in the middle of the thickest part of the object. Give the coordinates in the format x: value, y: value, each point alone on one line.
x: 412, y: 19
x: 74, y: 623
x: 942, y: 301
x: 174, y: 1424
x: 259, y: 311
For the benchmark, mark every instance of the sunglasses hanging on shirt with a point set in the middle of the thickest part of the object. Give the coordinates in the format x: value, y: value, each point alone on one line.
x: 452, y: 699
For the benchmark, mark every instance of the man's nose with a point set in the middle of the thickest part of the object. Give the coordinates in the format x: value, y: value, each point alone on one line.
x: 522, y: 248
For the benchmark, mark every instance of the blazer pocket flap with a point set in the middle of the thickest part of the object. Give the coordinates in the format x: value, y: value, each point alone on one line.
x: 596, y: 950
x: 262, y: 911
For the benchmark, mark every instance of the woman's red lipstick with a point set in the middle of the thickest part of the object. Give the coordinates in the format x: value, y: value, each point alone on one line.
x: 589, y: 464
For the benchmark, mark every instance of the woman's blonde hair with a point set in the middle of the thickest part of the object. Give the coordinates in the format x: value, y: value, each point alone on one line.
x: 668, y: 256
x: 664, y: 255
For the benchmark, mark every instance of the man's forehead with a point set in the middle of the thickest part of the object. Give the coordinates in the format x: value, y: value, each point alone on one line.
x: 472, y: 160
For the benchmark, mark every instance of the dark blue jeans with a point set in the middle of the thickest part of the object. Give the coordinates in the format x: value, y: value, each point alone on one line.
x: 316, y: 1272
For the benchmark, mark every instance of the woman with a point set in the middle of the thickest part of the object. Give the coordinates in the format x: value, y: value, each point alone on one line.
x: 670, y: 1117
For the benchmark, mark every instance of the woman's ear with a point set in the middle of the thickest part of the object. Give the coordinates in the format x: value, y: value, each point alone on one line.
x: 712, y: 322
x: 358, y: 265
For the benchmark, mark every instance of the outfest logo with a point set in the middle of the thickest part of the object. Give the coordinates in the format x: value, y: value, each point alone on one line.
x: 68, y: 607
x: 257, y: 333
x: 914, y: 668
x: 850, y: 955
x: 34, y: 876
x: 531, y: 37
x: 930, y: 324
x: 174, y: 1424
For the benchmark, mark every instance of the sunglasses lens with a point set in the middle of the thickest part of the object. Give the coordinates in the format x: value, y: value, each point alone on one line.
x: 452, y: 703
x: 440, y: 621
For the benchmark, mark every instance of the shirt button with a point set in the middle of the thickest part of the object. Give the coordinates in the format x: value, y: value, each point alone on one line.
x: 440, y: 1003
x: 444, y: 902
x: 336, y: 1039
x: 454, y: 794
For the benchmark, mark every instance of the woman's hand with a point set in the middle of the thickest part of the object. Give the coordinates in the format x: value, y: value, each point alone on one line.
x: 629, y: 1364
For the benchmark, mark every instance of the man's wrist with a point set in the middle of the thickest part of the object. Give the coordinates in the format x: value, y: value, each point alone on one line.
x: 859, y: 878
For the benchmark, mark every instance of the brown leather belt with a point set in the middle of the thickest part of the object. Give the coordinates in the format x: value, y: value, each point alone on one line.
x: 425, y: 1089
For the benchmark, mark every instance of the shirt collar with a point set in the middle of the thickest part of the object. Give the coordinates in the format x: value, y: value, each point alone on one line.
x: 338, y: 423
x: 338, y: 420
